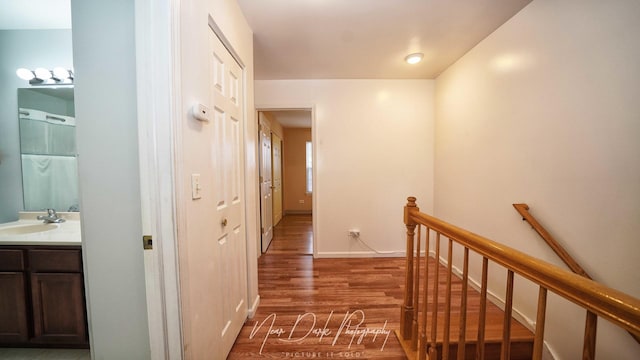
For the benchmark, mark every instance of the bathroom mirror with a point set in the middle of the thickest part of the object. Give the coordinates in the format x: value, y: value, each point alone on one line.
x: 48, y: 148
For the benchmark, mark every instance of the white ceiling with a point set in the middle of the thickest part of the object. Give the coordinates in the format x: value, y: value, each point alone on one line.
x: 350, y: 39
x: 333, y: 39
x: 35, y: 14
x: 292, y: 118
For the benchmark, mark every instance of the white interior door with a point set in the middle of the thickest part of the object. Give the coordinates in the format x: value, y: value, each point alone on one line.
x: 266, y: 196
x: 276, y: 157
x: 228, y: 195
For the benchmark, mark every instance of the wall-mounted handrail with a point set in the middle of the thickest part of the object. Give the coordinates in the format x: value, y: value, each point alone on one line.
x: 613, y: 305
x: 523, y: 209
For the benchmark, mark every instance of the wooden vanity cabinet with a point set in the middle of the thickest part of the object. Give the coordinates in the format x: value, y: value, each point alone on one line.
x: 52, y: 297
x: 13, y: 297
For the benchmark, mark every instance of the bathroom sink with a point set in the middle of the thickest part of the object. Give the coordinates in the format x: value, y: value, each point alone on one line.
x: 27, y: 229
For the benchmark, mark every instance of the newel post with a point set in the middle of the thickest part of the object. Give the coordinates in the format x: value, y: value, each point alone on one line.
x: 407, y: 311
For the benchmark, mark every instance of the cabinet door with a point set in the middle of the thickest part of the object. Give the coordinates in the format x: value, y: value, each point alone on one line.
x: 58, y: 308
x: 13, y: 312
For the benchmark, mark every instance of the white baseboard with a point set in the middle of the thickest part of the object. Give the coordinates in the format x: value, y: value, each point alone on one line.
x: 298, y: 212
x: 251, y: 312
x: 357, y: 254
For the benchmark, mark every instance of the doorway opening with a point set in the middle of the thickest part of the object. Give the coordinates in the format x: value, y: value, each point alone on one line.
x: 286, y: 181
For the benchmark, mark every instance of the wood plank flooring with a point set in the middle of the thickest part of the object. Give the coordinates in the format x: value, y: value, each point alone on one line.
x: 341, y: 308
x: 293, y: 235
x: 331, y: 292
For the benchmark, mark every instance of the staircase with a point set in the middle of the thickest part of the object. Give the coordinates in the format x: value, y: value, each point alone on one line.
x: 442, y: 317
x: 521, y: 342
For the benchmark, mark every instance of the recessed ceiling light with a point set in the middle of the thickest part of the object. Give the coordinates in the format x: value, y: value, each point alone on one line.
x: 414, y: 58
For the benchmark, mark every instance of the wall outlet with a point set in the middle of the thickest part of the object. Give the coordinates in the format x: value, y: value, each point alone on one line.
x: 354, y: 233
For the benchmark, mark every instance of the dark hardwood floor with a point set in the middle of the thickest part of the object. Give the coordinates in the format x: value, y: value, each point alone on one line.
x: 327, y: 295
x: 337, y: 308
x: 293, y: 235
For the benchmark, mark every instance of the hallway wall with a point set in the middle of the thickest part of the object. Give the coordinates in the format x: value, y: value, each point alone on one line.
x: 545, y: 111
x: 373, y: 144
x: 294, y: 156
x: 109, y: 178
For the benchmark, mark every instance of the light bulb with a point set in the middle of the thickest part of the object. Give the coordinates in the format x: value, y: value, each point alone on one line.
x: 414, y: 58
x: 60, y: 73
x: 25, y: 74
x: 43, y: 74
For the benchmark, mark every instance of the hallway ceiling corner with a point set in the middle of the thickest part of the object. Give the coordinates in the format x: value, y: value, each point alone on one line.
x: 367, y: 39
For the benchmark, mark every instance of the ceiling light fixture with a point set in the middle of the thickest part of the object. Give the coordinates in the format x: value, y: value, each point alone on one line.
x: 414, y: 58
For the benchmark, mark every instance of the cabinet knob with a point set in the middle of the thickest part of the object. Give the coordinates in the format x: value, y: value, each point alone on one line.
x: 224, y: 222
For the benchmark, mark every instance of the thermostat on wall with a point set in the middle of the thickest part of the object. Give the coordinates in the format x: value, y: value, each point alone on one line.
x: 200, y: 112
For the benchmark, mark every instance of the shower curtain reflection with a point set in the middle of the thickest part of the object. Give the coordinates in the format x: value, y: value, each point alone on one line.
x: 50, y: 182
x: 49, y: 166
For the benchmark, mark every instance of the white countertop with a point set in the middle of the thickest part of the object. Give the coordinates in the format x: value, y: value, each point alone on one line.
x: 66, y: 233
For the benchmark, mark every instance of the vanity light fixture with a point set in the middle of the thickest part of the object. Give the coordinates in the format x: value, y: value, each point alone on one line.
x: 61, y: 73
x: 414, y: 58
x: 42, y: 76
x: 25, y: 74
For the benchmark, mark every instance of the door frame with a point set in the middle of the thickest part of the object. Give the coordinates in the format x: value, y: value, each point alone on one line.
x: 158, y: 70
x: 314, y: 146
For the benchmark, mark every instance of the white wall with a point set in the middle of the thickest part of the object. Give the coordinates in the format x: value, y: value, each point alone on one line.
x: 194, y: 220
x: 105, y: 95
x: 545, y: 111
x: 29, y: 49
x: 373, y: 146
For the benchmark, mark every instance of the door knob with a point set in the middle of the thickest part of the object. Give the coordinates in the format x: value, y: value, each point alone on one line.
x: 224, y: 222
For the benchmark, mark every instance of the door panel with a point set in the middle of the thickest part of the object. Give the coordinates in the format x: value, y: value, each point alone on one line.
x: 13, y: 312
x: 58, y: 308
x: 276, y: 157
x: 229, y: 257
x: 266, y: 205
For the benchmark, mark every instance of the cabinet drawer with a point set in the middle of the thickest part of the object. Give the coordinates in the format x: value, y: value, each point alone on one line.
x: 11, y: 260
x: 55, y: 260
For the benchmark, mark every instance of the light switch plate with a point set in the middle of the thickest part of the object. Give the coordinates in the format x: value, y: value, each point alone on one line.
x: 196, y: 188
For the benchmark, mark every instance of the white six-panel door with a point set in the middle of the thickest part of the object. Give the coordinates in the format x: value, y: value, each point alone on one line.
x: 276, y: 179
x: 227, y: 192
x: 266, y: 198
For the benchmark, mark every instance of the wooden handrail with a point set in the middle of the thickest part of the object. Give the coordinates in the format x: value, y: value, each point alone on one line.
x: 613, y: 305
x: 523, y: 209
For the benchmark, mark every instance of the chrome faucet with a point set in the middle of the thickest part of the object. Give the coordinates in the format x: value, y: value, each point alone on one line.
x: 51, y: 217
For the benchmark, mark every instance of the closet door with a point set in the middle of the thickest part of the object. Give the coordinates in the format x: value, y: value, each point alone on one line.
x: 228, y: 194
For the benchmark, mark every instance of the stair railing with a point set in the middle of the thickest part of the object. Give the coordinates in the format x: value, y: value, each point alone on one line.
x: 615, y: 306
x: 592, y: 320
